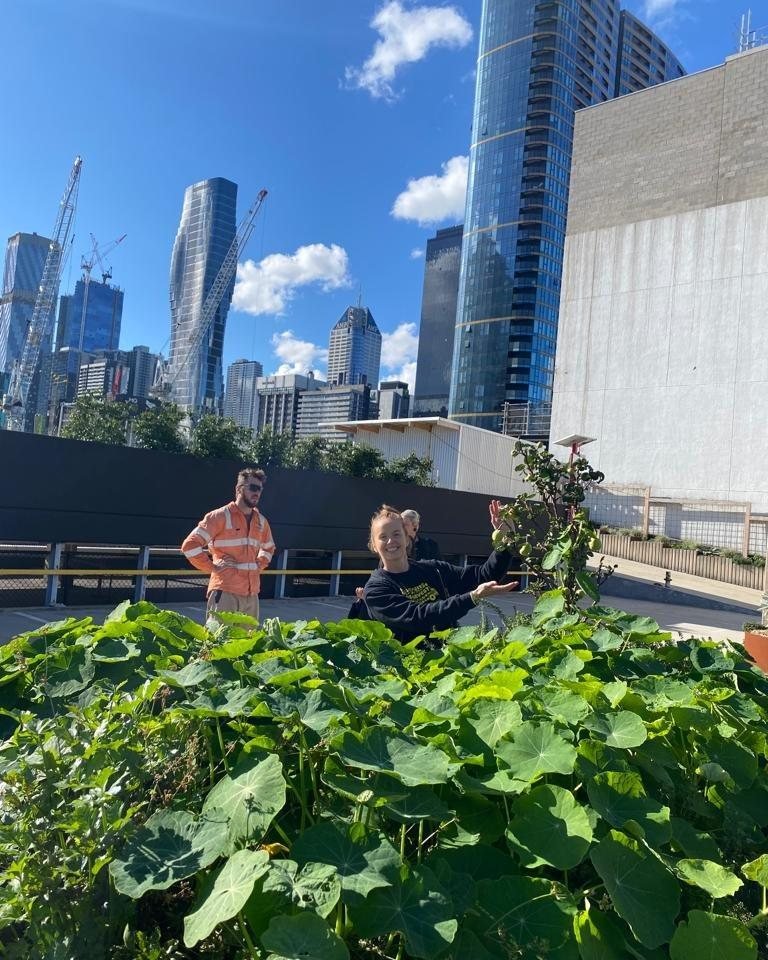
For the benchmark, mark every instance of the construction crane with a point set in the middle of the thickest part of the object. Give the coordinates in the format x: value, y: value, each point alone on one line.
x: 169, y: 376
x: 40, y: 328
x: 86, y: 265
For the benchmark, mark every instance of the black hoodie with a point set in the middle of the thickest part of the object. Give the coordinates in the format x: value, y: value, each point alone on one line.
x: 429, y: 595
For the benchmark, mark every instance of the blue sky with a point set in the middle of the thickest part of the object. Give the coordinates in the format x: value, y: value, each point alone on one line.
x: 354, y: 114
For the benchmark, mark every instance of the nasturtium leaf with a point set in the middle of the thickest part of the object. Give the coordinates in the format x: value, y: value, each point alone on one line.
x: 549, y: 605
x: 604, y: 640
x: 567, y: 667
x: 69, y: 673
x: 757, y: 870
x: 303, y: 936
x: 709, y: 936
x: 709, y: 876
x: 493, y: 719
x: 517, y: 914
x: 170, y: 846
x: 661, y: 693
x: 548, y: 825
x: 415, y: 906
x: 637, y: 627
x: 418, y: 803
x: 563, y: 705
x: 713, y: 772
x: 115, y: 650
x: 738, y: 760
x: 316, y: 886
x: 623, y: 729
x: 229, y: 893
x: 491, y: 781
x: 317, y: 713
x: 598, y: 936
x: 194, y: 674
x: 478, y: 820
x: 229, y: 701
x: 250, y: 796
x: 614, y: 692
x: 364, y: 861
x: 710, y: 658
x: 480, y: 861
x: 621, y: 797
x: 536, y: 749
x: 235, y: 647
x: 413, y: 762
x: 694, y: 843
x: 643, y: 891
x: 588, y: 585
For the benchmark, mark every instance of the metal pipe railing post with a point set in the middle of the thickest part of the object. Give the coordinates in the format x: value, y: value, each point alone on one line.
x: 142, y: 563
x: 333, y: 589
x: 52, y: 582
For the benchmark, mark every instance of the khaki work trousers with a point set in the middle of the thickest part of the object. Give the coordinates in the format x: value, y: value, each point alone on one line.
x: 221, y: 602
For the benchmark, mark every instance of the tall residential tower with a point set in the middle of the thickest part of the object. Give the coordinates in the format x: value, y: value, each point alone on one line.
x: 24, y: 261
x: 539, y: 61
x: 206, y: 232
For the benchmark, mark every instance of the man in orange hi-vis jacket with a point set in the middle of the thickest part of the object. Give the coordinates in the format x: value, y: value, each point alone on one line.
x: 234, y: 544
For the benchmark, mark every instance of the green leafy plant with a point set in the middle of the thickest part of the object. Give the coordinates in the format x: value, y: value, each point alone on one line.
x: 577, y: 786
x: 559, y: 537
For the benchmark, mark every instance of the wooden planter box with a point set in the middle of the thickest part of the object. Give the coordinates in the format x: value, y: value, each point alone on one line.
x: 756, y: 645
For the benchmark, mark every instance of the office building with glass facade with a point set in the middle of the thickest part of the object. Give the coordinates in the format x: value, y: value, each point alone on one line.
x: 241, y: 399
x: 97, y: 327
x: 644, y: 60
x: 438, y: 323
x: 24, y: 261
x: 539, y: 61
x: 354, y: 350
x: 206, y: 231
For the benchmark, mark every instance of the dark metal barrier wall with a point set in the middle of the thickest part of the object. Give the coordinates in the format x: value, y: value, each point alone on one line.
x: 67, y: 491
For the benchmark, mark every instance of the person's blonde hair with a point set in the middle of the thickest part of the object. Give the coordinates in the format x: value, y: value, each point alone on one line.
x: 385, y: 512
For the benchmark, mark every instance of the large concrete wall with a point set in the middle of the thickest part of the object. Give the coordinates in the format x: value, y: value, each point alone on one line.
x: 662, y: 347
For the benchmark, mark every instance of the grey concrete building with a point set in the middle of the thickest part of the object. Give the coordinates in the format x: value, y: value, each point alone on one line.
x: 662, y: 350
x: 277, y: 405
x: 392, y: 400
x: 320, y: 409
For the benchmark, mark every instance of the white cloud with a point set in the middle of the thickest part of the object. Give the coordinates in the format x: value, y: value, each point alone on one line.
x: 268, y: 286
x: 417, y: 253
x: 436, y: 197
x: 406, y: 37
x: 406, y: 373
x: 298, y: 356
x: 398, y: 354
x: 655, y: 8
x: 399, y: 347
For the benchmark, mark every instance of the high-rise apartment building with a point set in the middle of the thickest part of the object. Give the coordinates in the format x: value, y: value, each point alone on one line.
x: 278, y: 400
x: 354, y: 351
x: 241, y: 399
x: 97, y: 327
x: 320, y: 409
x: 205, y: 234
x: 539, y: 61
x: 24, y: 261
x: 644, y: 60
x: 438, y: 323
x: 143, y: 366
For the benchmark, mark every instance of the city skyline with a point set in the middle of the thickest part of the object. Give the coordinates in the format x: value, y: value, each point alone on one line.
x: 331, y: 223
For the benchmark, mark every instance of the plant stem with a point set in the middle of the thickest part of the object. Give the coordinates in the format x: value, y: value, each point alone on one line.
x: 339, y: 919
x: 402, y: 842
x: 284, y: 836
x: 246, y: 936
x: 421, y: 841
x: 221, y: 745
x: 400, y: 948
x: 211, y: 763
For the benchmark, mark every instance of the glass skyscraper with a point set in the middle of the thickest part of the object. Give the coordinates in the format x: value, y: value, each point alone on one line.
x: 354, y: 351
x: 24, y: 261
x: 206, y: 231
x: 644, y: 60
x: 539, y: 61
x: 241, y: 399
x: 101, y: 323
x: 438, y: 323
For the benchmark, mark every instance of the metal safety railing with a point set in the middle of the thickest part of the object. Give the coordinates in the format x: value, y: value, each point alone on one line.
x: 53, y: 574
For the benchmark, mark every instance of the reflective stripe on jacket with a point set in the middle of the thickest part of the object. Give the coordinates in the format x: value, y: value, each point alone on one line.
x: 227, y: 533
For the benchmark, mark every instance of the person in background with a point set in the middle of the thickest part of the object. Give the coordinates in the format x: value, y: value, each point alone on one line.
x: 422, y: 548
x: 234, y: 544
x: 415, y: 597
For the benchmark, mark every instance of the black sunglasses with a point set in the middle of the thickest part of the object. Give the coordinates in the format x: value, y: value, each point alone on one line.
x: 255, y: 487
